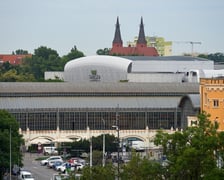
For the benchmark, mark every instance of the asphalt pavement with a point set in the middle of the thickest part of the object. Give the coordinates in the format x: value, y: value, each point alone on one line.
x: 32, y: 165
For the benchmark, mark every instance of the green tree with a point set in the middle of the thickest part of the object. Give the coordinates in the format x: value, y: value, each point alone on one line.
x: 194, y: 152
x: 105, y: 51
x: 73, y: 54
x: 216, y: 57
x: 44, y: 59
x: 109, y: 143
x: 7, y: 123
x: 6, y: 66
x: 98, y: 172
x: 21, y: 51
x: 141, y: 168
x: 13, y: 76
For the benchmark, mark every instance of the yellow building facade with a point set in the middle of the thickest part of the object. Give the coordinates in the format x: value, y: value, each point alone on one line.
x: 212, y: 99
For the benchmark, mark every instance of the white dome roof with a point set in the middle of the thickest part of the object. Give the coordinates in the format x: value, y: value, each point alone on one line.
x: 107, y: 61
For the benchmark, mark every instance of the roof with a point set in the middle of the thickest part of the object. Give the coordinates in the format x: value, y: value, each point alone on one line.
x: 13, y: 59
x: 146, y: 51
x: 108, y: 61
x: 141, y: 36
x: 117, y: 35
x: 96, y: 87
x: 165, y: 58
x: 88, y: 102
x: 194, y: 99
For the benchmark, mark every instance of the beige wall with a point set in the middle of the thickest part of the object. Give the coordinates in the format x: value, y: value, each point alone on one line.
x: 212, y: 99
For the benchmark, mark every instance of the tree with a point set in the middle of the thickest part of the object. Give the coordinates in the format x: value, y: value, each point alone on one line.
x: 193, y: 153
x: 73, y: 54
x: 45, y: 52
x: 141, y: 168
x: 21, y: 51
x: 105, y: 51
x: 109, y: 143
x: 44, y: 59
x: 98, y: 172
x: 216, y: 57
x: 8, y: 124
x: 13, y: 76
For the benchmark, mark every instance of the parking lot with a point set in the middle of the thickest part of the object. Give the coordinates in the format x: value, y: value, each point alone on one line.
x: 39, y: 172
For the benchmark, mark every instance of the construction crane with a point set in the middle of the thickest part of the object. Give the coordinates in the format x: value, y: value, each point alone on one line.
x: 189, y: 42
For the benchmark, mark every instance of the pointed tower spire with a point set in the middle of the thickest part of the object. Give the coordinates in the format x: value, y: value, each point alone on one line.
x: 117, y: 36
x: 141, y: 37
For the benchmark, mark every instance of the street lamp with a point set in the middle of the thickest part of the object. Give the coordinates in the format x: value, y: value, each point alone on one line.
x: 10, y: 154
x: 118, y: 147
x: 103, y: 142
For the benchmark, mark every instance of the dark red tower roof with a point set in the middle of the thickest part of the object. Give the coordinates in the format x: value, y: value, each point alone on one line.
x: 140, y: 49
x: 117, y: 35
x: 141, y: 36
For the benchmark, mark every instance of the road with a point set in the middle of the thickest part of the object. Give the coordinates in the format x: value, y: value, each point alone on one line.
x: 38, y: 171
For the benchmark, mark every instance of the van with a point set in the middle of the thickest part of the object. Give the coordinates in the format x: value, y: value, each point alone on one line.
x: 50, y: 150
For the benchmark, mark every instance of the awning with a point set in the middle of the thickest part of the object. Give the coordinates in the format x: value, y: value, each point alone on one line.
x: 63, y: 139
x: 40, y: 141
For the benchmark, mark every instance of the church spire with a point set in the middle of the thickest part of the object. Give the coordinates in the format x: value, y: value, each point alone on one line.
x: 117, y: 36
x: 141, y: 37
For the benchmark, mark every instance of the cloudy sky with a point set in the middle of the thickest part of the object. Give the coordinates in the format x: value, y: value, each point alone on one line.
x: 90, y: 24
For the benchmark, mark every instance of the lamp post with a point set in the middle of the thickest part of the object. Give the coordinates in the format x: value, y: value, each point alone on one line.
x: 103, y: 142
x: 10, y: 154
x: 91, y: 153
x: 118, y: 147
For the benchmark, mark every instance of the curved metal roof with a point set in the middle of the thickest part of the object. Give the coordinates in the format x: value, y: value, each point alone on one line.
x: 108, y: 61
x: 96, y: 87
x: 88, y: 102
x: 194, y: 99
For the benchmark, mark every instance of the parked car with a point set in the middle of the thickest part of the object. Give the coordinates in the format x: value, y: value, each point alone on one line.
x: 60, y: 177
x: 59, y: 168
x: 65, y: 166
x: 51, y: 163
x: 75, y: 160
x: 79, y: 166
x: 50, y: 150
x: 57, y: 163
x: 52, y: 158
x: 25, y: 175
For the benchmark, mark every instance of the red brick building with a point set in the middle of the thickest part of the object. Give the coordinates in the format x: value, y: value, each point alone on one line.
x: 140, y: 49
x: 13, y: 59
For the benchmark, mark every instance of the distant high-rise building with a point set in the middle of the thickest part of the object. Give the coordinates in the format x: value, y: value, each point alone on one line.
x: 140, y: 48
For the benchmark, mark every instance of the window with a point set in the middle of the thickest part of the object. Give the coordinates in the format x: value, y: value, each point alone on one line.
x: 215, y: 103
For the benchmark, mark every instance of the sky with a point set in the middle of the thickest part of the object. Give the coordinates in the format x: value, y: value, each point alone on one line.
x: 90, y: 24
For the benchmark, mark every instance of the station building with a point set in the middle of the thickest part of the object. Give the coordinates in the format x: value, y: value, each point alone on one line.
x: 72, y: 108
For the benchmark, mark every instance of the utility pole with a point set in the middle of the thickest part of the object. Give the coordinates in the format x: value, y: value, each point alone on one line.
x: 91, y: 153
x: 103, y: 142
x: 118, y: 143
x: 10, y: 153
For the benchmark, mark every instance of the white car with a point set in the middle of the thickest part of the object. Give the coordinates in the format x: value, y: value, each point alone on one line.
x: 51, y: 162
x: 25, y: 175
x: 52, y: 158
x: 64, y: 166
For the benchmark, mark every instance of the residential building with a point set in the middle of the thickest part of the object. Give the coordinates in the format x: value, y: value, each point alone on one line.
x: 212, y: 99
x: 13, y: 59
